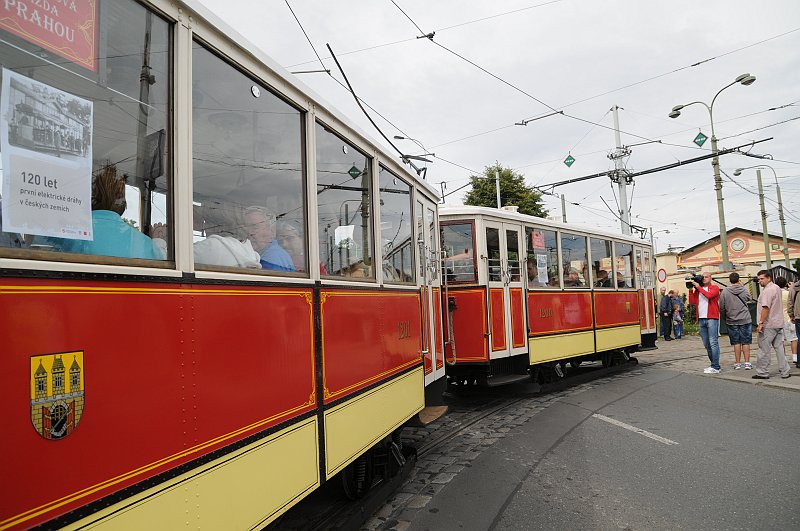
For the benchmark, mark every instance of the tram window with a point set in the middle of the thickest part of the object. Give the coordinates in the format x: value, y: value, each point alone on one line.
x: 396, y: 244
x: 433, y: 257
x: 344, y: 195
x: 648, y: 270
x: 623, y: 257
x: 573, y: 257
x: 542, y: 258
x: 248, y: 172
x: 86, y: 165
x: 459, y: 252
x: 494, y: 258
x: 602, y: 266
x: 639, y: 281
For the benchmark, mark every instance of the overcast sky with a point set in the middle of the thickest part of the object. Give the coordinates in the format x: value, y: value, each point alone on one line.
x: 575, y: 56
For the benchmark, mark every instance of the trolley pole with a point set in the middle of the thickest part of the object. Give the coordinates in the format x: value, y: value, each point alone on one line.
x: 563, y: 209
x: 763, y: 219
x: 620, y: 175
x: 497, y: 186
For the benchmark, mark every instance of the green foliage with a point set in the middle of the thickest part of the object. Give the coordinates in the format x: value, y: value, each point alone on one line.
x: 513, y: 191
x: 797, y: 265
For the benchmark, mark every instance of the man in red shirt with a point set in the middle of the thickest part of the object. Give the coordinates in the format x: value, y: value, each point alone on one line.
x: 706, y: 298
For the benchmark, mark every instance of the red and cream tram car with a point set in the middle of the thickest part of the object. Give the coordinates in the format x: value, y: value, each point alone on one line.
x: 524, y: 293
x: 224, y: 297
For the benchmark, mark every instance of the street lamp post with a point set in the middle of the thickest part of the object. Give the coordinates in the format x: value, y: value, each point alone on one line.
x: 780, y: 209
x: 744, y: 79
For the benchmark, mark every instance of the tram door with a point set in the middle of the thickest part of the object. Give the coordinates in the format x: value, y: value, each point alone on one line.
x: 430, y: 290
x: 505, y: 294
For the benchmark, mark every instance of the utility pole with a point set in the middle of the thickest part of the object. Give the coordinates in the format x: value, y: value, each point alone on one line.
x: 783, y: 224
x: 620, y: 176
x: 763, y: 219
x: 564, y: 210
x: 497, y: 186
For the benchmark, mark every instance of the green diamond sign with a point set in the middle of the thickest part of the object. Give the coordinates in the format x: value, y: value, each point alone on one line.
x: 700, y: 139
x: 569, y: 161
x: 354, y: 172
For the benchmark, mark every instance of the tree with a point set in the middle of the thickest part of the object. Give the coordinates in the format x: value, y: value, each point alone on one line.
x: 797, y: 265
x: 513, y: 191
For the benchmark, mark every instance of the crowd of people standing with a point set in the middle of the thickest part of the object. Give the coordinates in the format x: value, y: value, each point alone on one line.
x: 777, y: 320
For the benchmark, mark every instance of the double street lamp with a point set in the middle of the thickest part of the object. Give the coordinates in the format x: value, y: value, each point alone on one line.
x: 744, y: 79
x: 764, y: 213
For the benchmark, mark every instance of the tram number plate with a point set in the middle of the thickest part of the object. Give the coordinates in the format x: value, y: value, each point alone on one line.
x: 403, y: 329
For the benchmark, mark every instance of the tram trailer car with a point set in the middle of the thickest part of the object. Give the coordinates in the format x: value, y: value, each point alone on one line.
x: 188, y: 372
x: 524, y: 294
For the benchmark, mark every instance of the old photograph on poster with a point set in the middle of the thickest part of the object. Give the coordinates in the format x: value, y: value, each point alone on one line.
x: 46, y: 143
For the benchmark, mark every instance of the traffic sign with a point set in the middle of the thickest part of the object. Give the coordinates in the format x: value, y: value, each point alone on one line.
x: 661, y: 275
x: 700, y: 139
x: 569, y: 161
x: 354, y: 172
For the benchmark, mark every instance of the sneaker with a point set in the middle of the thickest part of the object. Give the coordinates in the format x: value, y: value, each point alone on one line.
x: 787, y: 375
x: 748, y: 366
x: 759, y: 377
x: 737, y: 366
x: 712, y: 370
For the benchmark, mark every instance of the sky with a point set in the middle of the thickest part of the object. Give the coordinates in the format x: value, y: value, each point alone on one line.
x: 581, y: 57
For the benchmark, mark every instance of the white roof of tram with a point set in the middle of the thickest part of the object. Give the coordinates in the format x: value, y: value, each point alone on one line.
x: 493, y: 214
x: 241, y: 42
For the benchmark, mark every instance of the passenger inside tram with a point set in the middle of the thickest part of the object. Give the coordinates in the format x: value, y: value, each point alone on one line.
x: 603, y: 281
x: 225, y: 242
x: 259, y: 223
x: 292, y: 242
x: 113, y: 236
x: 573, y: 278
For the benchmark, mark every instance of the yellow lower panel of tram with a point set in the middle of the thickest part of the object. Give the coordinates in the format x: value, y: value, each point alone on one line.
x: 619, y: 337
x: 356, y: 425
x: 246, y: 489
x: 549, y: 348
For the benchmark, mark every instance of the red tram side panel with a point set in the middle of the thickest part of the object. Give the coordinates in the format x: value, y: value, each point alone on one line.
x: 616, y: 308
x: 498, y: 318
x: 518, y: 338
x: 559, y: 312
x: 437, y: 315
x: 144, y: 362
x: 470, y: 332
x: 367, y: 336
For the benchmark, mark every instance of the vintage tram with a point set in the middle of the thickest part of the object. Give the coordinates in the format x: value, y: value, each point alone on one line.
x: 525, y: 293
x: 231, y: 297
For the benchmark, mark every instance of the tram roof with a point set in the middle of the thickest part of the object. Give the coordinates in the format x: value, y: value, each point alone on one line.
x: 509, y: 215
x: 238, y: 40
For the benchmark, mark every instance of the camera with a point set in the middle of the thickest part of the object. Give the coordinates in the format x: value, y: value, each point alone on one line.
x: 690, y: 280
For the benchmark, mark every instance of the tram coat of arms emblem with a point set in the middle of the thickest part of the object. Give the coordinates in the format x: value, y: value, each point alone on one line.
x: 57, y: 393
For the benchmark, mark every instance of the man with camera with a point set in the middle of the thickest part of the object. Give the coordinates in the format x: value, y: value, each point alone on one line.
x: 705, y: 296
x: 770, y: 327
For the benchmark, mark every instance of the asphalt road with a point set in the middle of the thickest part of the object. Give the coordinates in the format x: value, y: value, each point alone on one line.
x: 714, y: 454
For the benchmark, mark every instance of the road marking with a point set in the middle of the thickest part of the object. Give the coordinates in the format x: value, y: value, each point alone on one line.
x: 634, y: 429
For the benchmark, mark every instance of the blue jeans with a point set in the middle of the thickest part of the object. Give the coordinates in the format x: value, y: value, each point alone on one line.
x: 709, y: 333
x: 678, y: 329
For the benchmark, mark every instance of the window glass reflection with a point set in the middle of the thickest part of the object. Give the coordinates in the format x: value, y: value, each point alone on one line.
x: 248, y: 172
x: 573, y: 257
x: 344, y: 195
x: 623, y: 257
x: 494, y: 259
x: 459, y: 252
x: 396, y: 245
x: 542, y: 258
x: 602, y: 267
x: 93, y: 138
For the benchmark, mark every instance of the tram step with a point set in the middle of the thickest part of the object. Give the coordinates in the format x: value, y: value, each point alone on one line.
x: 426, y: 416
x: 506, y: 379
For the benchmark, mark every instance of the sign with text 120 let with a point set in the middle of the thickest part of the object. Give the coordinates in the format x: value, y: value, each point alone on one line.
x: 45, y: 138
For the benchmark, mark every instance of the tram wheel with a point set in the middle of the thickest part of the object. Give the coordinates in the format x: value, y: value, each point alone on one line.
x: 607, y: 359
x: 575, y: 363
x: 357, y: 477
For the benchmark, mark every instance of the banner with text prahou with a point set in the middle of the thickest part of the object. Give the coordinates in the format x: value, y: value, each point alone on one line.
x: 46, y: 143
x: 65, y: 27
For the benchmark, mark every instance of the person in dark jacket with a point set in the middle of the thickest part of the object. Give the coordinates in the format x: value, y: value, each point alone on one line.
x: 665, y: 311
x: 733, y: 308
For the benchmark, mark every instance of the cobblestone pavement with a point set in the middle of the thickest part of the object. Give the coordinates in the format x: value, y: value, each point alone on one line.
x: 438, y: 464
